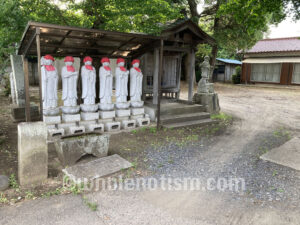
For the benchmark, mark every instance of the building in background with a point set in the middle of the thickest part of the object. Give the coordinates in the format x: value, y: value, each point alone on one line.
x: 273, y: 61
x: 225, y: 68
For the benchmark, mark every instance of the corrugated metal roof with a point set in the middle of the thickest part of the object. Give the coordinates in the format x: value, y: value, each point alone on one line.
x: 291, y: 44
x: 230, y: 61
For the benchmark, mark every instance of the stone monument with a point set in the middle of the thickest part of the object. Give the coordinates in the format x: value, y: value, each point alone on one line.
x: 205, y: 93
x: 107, y: 113
x: 122, y: 105
x: 70, y: 110
x: 89, y: 114
x: 136, y: 91
x: 49, y: 96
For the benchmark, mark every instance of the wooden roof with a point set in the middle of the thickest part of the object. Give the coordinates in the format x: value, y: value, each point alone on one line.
x: 66, y: 40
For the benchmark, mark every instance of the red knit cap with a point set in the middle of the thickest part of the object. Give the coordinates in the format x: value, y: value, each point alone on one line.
x: 49, y: 57
x: 120, y: 60
x: 69, y: 59
x: 87, y: 58
x: 135, y: 61
x: 105, y: 59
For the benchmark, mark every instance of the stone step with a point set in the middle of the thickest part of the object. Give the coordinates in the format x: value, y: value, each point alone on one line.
x: 190, y: 123
x: 175, y: 109
x: 168, y: 119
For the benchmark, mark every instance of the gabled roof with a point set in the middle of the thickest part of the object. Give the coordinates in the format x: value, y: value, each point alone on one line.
x: 230, y: 61
x: 291, y: 44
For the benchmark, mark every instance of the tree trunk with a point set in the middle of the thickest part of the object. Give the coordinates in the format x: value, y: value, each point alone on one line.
x: 214, y: 53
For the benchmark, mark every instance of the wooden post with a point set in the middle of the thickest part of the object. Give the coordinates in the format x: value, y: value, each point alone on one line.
x: 155, y: 75
x: 191, y: 57
x: 79, y: 84
x: 26, y: 87
x: 38, y: 49
x: 161, y: 55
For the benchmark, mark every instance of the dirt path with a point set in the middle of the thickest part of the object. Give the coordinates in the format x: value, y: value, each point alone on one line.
x: 265, y: 118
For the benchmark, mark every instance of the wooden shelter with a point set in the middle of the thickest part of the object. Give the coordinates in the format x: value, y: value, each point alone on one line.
x: 176, y: 39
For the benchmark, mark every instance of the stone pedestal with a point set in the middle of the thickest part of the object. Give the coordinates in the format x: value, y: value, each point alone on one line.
x: 112, y: 126
x: 18, y: 113
x: 106, y: 106
x: 123, y: 112
x: 70, y: 150
x: 89, y: 116
x: 69, y: 118
x: 209, y: 100
x: 88, y: 108
x: 107, y: 114
x: 143, y: 121
x: 32, y: 153
x: 137, y: 111
x: 49, y: 120
x: 93, y: 126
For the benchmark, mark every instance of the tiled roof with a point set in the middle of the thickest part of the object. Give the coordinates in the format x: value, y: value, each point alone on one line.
x: 276, y: 45
x: 230, y: 61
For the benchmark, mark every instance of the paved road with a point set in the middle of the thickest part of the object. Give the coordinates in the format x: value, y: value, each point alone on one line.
x: 260, y: 112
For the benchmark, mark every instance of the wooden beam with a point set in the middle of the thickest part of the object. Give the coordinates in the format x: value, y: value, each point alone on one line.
x: 123, y: 44
x: 155, y: 75
x: 191, y: 74
x: 160, y: 74
x: 26, y: 86
x: 176, y: 49
x: 29, y: 43
x: 38, y: 47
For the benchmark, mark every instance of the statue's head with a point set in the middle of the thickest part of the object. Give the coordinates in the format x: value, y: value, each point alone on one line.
x: 69, y: 60
x: 120, y: 62
x: 206, y: 58
x: 135, y: 63
x: 87, y: 60
x: 105, y: 61
x: 47, y: 60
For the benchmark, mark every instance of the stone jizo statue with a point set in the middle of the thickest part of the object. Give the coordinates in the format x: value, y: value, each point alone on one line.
x: 121, y: 85
x: 136, y: 84
x: 49, y: 86
x: 106, y: 82
x: 204, y: 86
x: 69, y: 80
x: 88, y: 78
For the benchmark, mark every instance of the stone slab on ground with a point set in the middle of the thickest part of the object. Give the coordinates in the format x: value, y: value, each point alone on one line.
x: 4, y: 182
x: 286, y: 155
x: 96, y: 169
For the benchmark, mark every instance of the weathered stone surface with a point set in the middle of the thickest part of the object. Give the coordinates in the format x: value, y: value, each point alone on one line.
x: 4, y: 182
x: 55, y: 132
x: 96, y: 169
x: 143, y: 122
x: 70, y: 109
x: 112, y: 126
x: 123, y: 112
x: 18, y: 113
x: 70, y: 150
x: 89, y: 108
x: 52, y: 119
x: 87, y: 116
x: 209, y: 100
x: 287, y: 155
x: 137, y: 111
x: 75, y: 130
x: 107, y: 114
x: 18, y: 76
x: 92, y: 126
x: 32, y: 153
x: 69, y: 118
x: 128, y: 124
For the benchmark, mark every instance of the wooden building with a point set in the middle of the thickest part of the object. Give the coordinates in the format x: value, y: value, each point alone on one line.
x: 225, y: 68
x: 273, y: 61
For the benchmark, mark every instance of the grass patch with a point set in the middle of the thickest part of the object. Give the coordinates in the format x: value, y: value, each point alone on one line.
x: 92, y: 205
x: 221, y: 116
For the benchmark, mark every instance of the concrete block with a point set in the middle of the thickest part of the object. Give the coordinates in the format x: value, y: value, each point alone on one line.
x: 70, y: 150
x: 75, y: 130
x: 4, y: 182
x: 67, y: 118
x: 92, y: 126
x: 123, y: 112
x: 143, y: 122
x: 51, y: 119
x: 112, y: 126
x: 18, y: 113
x: 128, y: 124
x: 87, y: 116
x: 107, y: 114
x: 32, y: 153
x: 55, y: 132
x: 137, y: 111
x: 97, y: 168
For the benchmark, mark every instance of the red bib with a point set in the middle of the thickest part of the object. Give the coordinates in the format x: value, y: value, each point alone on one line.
x: 70, y: 69
x: 49, y: 67
x: 107, y: 68
x: 137, y: 69
x: 89, y: 67
x: 123, y: 68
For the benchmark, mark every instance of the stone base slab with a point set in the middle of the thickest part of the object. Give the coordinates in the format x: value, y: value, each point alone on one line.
x: 107, y: 114
x: 122, y: 112
x: 18, y: 113
x: 52, y: 119
x: 70, y: 150
x: 112, y: 126
x: 96, y: 169
x: 128, y: 124
x: 69, y: 118
x: 87, y: 116
x: 137, y: 111
x: 143, y: 122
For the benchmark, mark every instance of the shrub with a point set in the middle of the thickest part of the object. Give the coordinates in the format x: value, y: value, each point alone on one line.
x: 236, y: 78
